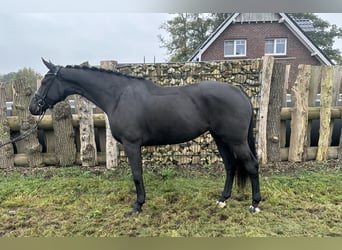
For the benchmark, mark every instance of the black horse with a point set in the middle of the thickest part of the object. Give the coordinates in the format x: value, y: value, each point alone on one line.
x: 141, y: 113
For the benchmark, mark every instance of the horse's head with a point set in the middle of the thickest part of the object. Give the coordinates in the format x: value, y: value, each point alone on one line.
x: 50, y: 91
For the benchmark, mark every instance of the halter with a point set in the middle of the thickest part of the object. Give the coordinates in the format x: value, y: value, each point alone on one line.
x: 42, y: 100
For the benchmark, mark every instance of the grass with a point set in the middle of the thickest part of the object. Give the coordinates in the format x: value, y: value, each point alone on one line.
x: 78, y: 202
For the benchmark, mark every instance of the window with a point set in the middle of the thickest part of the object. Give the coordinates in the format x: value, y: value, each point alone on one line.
x: 275, y: 46
x: 235, y: 48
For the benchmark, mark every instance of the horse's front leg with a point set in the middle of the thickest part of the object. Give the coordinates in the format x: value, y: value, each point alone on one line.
x: 133, y: 152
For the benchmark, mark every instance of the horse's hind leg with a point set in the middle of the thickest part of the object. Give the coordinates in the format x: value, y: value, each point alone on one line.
x: 229, y: 163
x: 246, y: 157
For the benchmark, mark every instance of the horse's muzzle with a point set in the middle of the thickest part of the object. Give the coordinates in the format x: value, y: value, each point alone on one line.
x: 35, y: 109
x: 36, y: 106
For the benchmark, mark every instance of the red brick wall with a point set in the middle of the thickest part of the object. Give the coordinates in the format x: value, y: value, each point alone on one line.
x: 255, y: 34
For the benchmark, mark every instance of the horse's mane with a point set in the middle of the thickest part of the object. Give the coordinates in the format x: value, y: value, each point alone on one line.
x: 96, y: 69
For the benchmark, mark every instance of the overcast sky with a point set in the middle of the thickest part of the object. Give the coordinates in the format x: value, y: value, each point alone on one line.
x: 69, y: 38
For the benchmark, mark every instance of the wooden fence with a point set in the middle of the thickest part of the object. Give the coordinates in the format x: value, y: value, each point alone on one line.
x: 66, y: 138
x: 315, y: 95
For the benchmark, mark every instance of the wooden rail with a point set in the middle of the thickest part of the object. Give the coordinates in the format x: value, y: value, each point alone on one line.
x: 46, y: 122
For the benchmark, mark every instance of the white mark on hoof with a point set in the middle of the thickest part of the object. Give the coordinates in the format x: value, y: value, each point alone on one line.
x: 254, y: 210
x: 12, y: 212
x: 221, y: 204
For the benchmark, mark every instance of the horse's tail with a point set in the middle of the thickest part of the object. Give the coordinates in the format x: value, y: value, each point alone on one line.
x: 242, y: 173
x: 251, y: 140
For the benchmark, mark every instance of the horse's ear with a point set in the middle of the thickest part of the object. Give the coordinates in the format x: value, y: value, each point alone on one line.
x: 49, y: 65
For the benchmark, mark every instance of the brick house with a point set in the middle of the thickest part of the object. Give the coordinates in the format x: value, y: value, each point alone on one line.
x: 253, y: 35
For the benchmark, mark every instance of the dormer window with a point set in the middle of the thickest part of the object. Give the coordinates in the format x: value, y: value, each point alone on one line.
x: 276, y: 46
x: 235, y: 48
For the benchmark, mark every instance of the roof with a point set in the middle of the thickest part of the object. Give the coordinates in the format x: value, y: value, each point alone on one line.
x: 296, y: 28
x: 305, y: 24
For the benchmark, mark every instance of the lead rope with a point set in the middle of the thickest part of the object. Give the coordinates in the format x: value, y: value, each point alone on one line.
x: 26, y: 133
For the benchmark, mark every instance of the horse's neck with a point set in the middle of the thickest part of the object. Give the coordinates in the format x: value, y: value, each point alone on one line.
x: 102, y: 91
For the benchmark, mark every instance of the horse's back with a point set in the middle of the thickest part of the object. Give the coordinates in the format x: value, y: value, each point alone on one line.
x: 224, y: 96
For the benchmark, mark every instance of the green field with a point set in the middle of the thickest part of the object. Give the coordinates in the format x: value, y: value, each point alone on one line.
x: 297, y: 201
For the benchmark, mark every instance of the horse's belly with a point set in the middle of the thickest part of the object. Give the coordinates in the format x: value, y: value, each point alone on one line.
x: 174, y: 133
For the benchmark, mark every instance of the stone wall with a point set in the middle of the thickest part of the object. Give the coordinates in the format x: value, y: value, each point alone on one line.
x: 202, y: 150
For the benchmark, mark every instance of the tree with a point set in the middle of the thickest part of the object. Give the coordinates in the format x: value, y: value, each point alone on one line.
x: 217, y: 19
x: 323, y: 35
x: 30, y: 75
x: 8, y: 77
x: 27, y: 73
x: 188, y: 31
x: 181, y: 44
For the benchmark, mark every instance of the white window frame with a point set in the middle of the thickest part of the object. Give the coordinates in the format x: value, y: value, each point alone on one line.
x: 276, y: 42
x: 235, y: 44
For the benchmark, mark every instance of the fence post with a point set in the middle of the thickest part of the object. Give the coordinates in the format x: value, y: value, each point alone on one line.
x: 284, y: 104
x: 300, y: 113
x: 111, y: 144
x: 274, y: 109
x: 315, y: 80
x: 337, y: 87
x: 267, y: 68
x: 325, y: 113
x: 6, y: 152
x: 88, y: 152
x: 337, y: 82
x: 337, y: 78
x: 29, y: 145
x: 65, y: 147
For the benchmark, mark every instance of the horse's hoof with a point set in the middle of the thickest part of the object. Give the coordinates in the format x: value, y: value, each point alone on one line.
x: 131, y: 214
x: 136, y: 208
x: 221, y: 204
x: 254, y: 210
x: 135, y: 211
